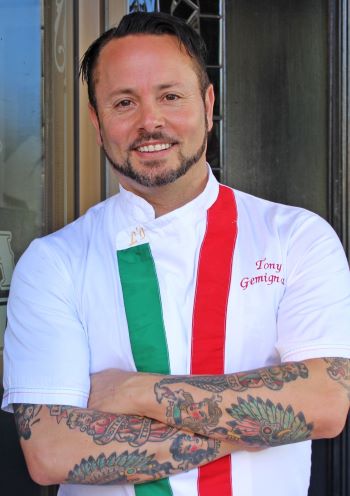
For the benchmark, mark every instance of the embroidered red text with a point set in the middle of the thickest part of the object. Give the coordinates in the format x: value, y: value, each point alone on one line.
x: 270, y: 273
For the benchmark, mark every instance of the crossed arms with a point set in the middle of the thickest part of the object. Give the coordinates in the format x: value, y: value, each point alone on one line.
x: 162, y: 425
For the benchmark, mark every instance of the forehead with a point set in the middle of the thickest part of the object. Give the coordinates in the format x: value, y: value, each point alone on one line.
x: 141, y: 57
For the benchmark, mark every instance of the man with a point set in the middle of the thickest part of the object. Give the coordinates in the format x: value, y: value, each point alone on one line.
x: 175, y: 275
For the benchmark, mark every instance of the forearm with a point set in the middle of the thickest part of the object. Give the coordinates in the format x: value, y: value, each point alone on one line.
x: 83, y: 446
x: 260, y: 408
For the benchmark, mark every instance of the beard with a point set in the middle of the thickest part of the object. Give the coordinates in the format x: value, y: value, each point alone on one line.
x: 154, y: 177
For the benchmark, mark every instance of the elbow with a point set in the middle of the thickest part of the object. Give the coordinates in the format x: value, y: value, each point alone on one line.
x: 332, y: 420
x: 39, y: 475
x: 41, y: 465
x: 330, y: 430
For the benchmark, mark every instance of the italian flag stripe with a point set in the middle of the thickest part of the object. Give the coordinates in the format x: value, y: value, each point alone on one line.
x: 209, y: 317
x: 146, y: 327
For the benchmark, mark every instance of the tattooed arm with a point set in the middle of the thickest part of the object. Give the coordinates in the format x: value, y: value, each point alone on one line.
x: 260, y: 408
x: 64, y: 444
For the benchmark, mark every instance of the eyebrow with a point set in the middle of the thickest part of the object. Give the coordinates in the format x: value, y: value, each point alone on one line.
x: 131, y: 91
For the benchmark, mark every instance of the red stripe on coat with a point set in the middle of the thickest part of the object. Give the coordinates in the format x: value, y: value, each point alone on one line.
x: 209, y: 317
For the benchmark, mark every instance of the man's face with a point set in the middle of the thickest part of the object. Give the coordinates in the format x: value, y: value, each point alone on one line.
x: 151, y: 118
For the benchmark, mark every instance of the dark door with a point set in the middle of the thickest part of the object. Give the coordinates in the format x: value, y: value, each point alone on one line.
x: 286, y: 132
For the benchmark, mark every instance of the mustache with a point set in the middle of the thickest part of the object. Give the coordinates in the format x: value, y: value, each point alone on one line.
x: 151, y: 137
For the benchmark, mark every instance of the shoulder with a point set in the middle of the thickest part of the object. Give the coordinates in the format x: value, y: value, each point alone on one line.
x: 270, y: 211
x: 287, y: 222
x: 66, y: 248
x: 82, y: 229
x: 301, y: 238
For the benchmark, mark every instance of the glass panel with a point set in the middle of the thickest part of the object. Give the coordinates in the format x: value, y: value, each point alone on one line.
x: 213, y: 151
x: 210, y: 30
x: 142, y: 5
x: 210, y: 7
x: 217, y: 174
x: 165, y: 5
x: 21, y: 166
x: 61, y: 144
x: 215, y: 76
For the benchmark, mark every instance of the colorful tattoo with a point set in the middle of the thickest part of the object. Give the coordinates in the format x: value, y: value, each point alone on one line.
x: 261, y: 423
x: 271, y: 377
x: 339, y: 370
x: 183, y: 411
x: 192, y: 450
x: 118, y: 469
x: 135, y: 467
x: 106, y: 427
x: 127, y: 467
x: 24, y: 418
x: 59, y: 411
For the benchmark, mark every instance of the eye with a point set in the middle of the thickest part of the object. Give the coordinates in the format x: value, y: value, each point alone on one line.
x: 123, y: 103
x: 170, y: 97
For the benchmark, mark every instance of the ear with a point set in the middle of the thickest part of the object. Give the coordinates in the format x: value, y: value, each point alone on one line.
x: 96, y: 123
x: 209, y: 105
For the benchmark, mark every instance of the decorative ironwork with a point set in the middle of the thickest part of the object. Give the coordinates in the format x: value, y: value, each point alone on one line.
x: 7, y: 264
x: 60, y: 29
x: 194, y: 18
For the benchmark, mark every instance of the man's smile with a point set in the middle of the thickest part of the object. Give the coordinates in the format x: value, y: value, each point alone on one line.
x: 154, y: 148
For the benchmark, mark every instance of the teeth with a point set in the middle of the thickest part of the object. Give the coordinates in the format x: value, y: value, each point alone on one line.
x: 154, y: 148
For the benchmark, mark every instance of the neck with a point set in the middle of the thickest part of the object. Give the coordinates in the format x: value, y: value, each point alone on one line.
x: 165, y: 199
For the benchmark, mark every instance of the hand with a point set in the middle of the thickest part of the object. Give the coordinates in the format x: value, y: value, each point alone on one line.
x: 111, y: 392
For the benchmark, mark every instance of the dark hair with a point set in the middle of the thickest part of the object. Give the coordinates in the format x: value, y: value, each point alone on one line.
x: 147, y: 23
x: 194, y: 457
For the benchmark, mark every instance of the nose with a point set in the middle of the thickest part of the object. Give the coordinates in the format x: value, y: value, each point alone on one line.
x: 151, y: 117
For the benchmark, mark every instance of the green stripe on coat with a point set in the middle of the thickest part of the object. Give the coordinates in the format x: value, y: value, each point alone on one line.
x: 144, y: 315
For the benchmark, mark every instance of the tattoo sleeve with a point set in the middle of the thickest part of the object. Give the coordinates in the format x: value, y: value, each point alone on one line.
x: 187, y: 451
x: 256, y: 424
x: 121, y: 465
x: 271, y: 377
x: 262, y: 423
x: 202, y: 418
x: 127, y: 467
x: 26, y: 415
x: 339, y: 370
x: 105, y: 428
x: 254, y: 421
